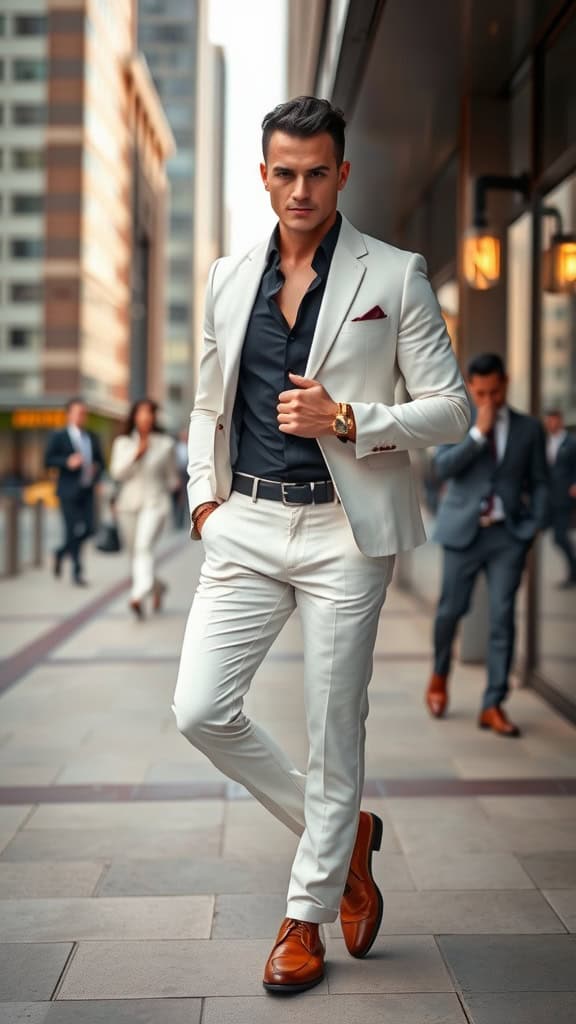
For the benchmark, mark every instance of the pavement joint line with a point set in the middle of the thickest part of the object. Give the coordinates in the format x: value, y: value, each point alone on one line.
x: 18, y: 665
x: 375, y: 788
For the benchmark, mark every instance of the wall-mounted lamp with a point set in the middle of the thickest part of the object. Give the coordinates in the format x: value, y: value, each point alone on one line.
x: 482, y: 245
x: 559, y: 260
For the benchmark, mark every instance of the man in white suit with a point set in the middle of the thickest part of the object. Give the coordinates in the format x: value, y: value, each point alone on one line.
x: 300, y: 486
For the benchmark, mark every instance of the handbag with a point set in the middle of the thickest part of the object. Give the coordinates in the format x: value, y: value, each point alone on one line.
x: 108, y: 538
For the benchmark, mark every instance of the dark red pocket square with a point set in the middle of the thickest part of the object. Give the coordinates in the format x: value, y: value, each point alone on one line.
x: 373, y: 314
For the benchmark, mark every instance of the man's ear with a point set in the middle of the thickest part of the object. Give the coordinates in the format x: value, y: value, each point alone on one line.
x: 264, y: 175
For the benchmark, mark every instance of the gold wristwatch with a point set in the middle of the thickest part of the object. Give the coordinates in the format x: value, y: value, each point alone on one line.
x: 343, y: 422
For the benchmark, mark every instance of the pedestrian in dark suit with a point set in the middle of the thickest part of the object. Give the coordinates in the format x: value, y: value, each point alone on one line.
x: 77, y: 454
x: 561, y: 454
x: 495, y: 503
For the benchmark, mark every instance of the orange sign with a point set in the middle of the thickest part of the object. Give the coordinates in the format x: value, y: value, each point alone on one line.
x: 38, y: 419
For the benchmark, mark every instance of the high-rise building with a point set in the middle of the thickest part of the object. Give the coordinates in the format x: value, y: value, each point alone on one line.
x: 167, y: 35
x: 83, y: 145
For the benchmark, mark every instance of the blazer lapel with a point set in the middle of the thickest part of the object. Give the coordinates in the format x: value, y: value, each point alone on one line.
x: 513, y: 424
x: 346, y: 273
x: 246, y: 280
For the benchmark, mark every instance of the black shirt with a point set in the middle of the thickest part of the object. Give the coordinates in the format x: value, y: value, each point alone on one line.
x: 271, y: 350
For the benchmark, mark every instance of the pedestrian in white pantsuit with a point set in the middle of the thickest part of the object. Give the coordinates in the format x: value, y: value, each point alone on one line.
x: 143, y: 462
x: 301, y: 488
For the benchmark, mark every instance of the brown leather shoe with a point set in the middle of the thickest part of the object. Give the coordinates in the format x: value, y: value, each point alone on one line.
x: 296, y: 962
x: 362, y: 904
x: 437, y: 695
x: 496, y: 719
x: 158, y: 595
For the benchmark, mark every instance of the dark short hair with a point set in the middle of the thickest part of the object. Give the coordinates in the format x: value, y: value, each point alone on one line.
x: 484, y: 365
x: 303, y: 117
x: 75, y: 400
x: 554, y: 412
x: 131, y: 420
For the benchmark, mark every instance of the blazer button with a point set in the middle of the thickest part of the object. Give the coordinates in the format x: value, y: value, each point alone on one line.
x: 220, y: 426
x: 375, y: 449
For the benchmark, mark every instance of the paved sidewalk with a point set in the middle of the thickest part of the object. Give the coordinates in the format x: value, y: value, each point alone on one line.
x: 138, y: 886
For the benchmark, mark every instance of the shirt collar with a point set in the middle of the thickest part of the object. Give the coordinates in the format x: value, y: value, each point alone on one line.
x: 322, y: 256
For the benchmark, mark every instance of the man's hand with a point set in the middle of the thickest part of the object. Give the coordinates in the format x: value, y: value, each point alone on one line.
x: 308, y: 411
x: 202, y: 513
x: 486, y: 418
x: 75, y: 460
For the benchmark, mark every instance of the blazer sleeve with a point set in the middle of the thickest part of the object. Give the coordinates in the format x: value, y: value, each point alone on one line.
x: 439, y: 411
x: 207, y: 406
x: 55, y: 457
x: 452, y: 460
x: 97, y: 457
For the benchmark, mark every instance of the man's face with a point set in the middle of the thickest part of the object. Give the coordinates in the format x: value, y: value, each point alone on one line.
x: 553, y: 423
x: 303, y: 179
x: 490, y: 389
x: 77, y: 415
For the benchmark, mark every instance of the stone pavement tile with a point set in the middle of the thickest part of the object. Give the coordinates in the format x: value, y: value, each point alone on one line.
x: 511, y: 963
x: 166, y: 814
x: 248, y: 917
x: 395, y: 964
x: 564, y: 903
x: 104, y: 1011
x: 140, y: 970
x: 522, y: 1007
x: 37, y: 881
x: 275, y: 840
x: 111, y: 844
x: 437, y: 913
x: 182, y: 771
x: 468, y: 871
x: 554, y: 870
x: 530, y: 808
x: 51, y: 920
x: 12, y: 818
x: 103, y: 768
x: 29, y: 774
x: 505, y: 768
x: 424, y: 809
x: 459, y: 835
x: 522, y: 836
x: 29, y: 971
x: 194, y: 875
x: 23, y: 1013
x: 407, y: 767
x: 441, y: 1008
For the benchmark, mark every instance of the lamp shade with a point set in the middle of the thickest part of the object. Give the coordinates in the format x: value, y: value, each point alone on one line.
x: 559, y: 265
x: 482, y: 258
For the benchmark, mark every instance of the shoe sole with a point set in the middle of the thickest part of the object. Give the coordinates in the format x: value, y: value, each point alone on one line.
x: 507, y: 735
x: 291, y: 990
x: 375, y: 845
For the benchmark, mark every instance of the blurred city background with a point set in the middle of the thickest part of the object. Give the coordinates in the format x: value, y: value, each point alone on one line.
x: 129, y: 151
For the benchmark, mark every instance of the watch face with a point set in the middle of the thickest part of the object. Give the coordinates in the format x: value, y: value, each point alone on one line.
x: 341, y: 425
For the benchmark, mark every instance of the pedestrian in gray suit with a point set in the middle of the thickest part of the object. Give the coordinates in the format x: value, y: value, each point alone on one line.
x: 561, y: 454
x: 495, y: 503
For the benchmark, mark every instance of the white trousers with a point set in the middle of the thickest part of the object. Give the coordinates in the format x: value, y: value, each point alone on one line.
x: 264, y: 559
x: 140, y: 532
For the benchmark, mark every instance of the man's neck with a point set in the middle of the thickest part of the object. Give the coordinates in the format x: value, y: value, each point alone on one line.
x: 297, y: 247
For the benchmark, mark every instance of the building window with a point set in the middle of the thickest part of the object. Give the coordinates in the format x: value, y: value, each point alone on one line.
x: 23, y: 337
x: 27, y: 159
x: 30, y: 25
x: 27, y: 204
x: 28, y: 69
x: 28, y: 114
x: 178, y: 313
x: 1, y: 70
x: 26, y: 291
x: 160, y: 32
x: 26, y: 248
x: 180, y: 269
x: 181, y: 224
x: 175, y: 393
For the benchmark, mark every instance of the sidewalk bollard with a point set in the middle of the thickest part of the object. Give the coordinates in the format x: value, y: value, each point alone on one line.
x: 12, y: 551
x: 38, y: 549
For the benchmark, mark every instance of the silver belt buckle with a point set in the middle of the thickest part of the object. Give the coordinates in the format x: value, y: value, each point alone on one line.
x: 296, y: 504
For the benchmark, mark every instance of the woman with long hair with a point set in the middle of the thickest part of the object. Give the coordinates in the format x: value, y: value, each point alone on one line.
x: 143, y: 463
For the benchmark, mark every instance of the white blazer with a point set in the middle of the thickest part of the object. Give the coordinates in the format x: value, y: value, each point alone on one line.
x: 358, y: 362
x: 147, y: 482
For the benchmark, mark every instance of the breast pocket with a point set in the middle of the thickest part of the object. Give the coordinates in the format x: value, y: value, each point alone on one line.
x: 369, y: 346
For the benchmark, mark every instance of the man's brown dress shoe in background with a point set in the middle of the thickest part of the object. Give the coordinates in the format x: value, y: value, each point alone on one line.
x: 362, y: 904
x: 437, y: 695
x: 296, y: 962
x: 496, y: 719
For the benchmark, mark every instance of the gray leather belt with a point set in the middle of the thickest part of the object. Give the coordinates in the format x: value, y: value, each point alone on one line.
x: 317, y: 492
